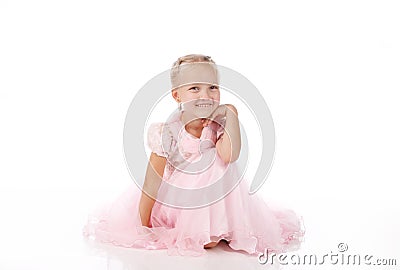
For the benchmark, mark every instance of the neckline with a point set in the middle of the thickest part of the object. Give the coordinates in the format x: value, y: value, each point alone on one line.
x: 187, y: 132
x: 191, y: 135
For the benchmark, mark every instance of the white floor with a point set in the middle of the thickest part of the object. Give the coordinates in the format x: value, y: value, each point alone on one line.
x: 43, y: 231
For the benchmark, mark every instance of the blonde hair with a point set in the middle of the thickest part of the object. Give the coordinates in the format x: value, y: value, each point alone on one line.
x: 187, y: 59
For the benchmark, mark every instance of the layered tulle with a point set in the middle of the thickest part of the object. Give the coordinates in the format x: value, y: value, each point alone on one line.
x: 246, y: 221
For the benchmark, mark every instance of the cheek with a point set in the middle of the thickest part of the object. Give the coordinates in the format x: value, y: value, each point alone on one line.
x: 188, y: 98
x: 185, y: 97
x: 217, y: 96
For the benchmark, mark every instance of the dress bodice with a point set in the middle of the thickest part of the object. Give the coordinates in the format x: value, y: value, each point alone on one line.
x: 166, y: 138
x: 183, y: 150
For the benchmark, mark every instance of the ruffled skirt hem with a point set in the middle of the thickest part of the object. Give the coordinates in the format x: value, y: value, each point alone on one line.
x: 170, y: 239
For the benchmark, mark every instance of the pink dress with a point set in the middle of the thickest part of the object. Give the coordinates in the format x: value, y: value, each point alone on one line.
x: 245, y: 221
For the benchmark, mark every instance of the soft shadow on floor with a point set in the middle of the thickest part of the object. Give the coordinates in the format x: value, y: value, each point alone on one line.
x: 220, y: 257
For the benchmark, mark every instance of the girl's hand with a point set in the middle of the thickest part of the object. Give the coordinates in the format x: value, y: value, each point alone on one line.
x: 216, y: 115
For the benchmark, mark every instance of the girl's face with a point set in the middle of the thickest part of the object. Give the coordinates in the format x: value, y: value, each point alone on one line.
x: 199, y: 99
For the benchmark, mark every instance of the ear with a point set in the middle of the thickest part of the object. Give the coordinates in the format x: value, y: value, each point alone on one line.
x: 175, y: 95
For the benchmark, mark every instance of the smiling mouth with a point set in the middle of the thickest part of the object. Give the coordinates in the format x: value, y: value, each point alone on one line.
x: 204, y: 105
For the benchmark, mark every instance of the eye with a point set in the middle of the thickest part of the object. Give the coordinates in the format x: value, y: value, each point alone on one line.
x: 194, y: 89
x: 214, y: 87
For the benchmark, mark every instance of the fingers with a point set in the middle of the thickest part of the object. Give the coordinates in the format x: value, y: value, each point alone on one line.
x: 204, y: 121
x: 217, y: 114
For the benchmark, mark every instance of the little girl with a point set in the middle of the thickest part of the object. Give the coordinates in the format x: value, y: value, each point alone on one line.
x: 192, y: 196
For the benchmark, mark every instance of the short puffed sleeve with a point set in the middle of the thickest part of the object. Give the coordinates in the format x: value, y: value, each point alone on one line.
x: 155, y: 139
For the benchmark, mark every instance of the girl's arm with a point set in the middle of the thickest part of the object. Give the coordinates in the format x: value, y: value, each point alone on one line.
x: 152, y: 182
x: 228, y: 146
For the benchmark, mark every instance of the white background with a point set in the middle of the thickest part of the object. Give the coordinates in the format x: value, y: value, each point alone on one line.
x: 328, y: 70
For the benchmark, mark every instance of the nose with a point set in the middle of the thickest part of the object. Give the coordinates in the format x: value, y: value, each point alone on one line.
x: 205, y: 94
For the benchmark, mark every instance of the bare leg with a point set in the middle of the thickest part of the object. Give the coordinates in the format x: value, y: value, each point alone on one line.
x: 211, y: 245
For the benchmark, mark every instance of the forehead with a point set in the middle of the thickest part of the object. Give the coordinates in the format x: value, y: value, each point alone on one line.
x: 195, y: 73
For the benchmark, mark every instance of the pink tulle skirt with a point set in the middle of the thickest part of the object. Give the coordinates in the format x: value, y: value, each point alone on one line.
x: 245, y: 221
